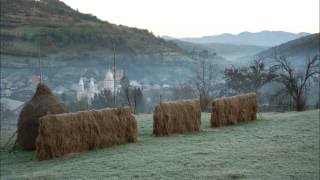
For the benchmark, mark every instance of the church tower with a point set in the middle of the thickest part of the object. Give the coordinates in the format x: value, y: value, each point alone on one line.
x: 108, y: 81
x: 80, y: 91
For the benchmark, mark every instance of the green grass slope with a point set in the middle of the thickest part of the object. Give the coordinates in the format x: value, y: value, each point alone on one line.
x: 281, y: 146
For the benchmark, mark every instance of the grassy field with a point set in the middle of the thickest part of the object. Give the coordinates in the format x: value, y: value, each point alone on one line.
x: 280, y: 146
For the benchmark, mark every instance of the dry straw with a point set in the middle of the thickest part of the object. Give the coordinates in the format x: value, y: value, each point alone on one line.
x: 85, y: 130
x: 232, y: 110
x: 176, y: 117
x: 42, y: 103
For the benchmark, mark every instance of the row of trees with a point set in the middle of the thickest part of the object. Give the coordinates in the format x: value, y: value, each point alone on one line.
x: 291, y: 82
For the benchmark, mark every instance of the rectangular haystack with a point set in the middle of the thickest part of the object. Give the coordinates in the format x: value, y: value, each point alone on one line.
x: 176, y: 117
x: 232, y: 110
x: 85, y: 130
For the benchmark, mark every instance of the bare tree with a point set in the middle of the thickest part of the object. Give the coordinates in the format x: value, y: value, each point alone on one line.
x: 125, y: 85
x: 134, y: 100
x: 132, y: 95
x: 103, y: 99
x: 82, y: 104
x: 137, y: 100
x: 183, y: 91
x: 203, y: 81
x: 294, y: 81
x: 249, y: 79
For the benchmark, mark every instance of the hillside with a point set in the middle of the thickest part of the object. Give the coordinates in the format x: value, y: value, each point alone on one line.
x: 229, y: 51
x: 280, y: 146
x: 263, y: 38
x: 58, y: 28
x: 301, y: 47
x: 70, y: 44
x: 296, y: 50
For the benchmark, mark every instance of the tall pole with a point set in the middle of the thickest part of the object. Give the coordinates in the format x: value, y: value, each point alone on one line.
x: 39, y: 58
x: 114, y: 75
x: 39, y: 61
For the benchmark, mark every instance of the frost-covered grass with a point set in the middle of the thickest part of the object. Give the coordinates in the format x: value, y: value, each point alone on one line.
x: 281, y: 146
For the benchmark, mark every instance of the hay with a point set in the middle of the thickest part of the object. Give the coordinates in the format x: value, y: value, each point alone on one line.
x: 42, y: 103
x: 232, y: 110
x: 176, y: 117
x: 85, y: 130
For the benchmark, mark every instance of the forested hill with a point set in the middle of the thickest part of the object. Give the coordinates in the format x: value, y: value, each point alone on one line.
x: 72, y: 43
x: 61, y: 29
x: 301, y: 47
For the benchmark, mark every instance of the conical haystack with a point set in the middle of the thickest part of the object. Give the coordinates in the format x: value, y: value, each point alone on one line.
x: 42, y: 103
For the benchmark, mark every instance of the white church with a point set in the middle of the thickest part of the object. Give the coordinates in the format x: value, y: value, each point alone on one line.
x: 93, y: 88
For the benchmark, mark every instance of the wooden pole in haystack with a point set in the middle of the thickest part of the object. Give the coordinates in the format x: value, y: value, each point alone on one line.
x: 135, y: 99
x: 114, y: 75
x: 39, y: 61
x: 39, y: 53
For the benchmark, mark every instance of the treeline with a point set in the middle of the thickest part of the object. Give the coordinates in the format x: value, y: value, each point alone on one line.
x: 279, y: 84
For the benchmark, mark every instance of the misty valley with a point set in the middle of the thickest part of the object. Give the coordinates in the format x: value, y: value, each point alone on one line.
x: 59, y: 64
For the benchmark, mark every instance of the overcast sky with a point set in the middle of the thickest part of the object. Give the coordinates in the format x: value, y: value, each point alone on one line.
x: 194, y: 18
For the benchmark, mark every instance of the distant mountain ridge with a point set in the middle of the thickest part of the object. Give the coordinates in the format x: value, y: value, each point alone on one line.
x: 263, y: 38
x: 229, y: 51
x: 296, y: 50
x: 301, y: 47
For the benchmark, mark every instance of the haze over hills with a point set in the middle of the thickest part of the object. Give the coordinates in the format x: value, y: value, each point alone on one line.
x: 63, y: 32
x: 296, y: 50
x: 47, y: 38
x: 263, y: 38
x: 72, y: 44
x: 229, y: 51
